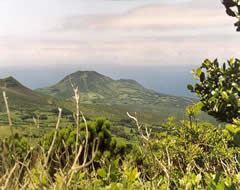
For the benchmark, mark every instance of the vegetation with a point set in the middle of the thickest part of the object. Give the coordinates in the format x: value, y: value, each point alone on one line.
x: 23, y: 98
x: 219, y: 89
x: 34, y: 114
x: 99, y: 89
x: 66, y: 140
x: 230, y: 6
x: 179, y: 154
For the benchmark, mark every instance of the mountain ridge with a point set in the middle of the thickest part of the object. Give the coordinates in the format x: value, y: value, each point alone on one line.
x: 97, y: 88
x: 20, y: 96
x: 152, y: 107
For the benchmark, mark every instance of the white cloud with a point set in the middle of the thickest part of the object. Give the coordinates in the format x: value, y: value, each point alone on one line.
x: 148, y: 35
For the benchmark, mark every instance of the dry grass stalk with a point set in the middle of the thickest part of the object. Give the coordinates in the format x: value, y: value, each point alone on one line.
x: 154, y: 157
x: 9, y: 179
x: 9, y: 176
x: 54, y: 138
x: 84, y: 145
x: 147, y: 131
x: 8, y: 112
x: 76, y: 97
x: 37, y: 121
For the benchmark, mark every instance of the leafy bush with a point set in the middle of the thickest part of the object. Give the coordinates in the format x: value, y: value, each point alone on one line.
x: 12, y: 149
x: 66, y: 141
x: 188, y: 154
x: 219, y: 89
x: 230, y: 5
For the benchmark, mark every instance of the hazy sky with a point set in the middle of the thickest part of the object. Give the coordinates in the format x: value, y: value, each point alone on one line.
x: 136, y: 33
x: 147, y: 32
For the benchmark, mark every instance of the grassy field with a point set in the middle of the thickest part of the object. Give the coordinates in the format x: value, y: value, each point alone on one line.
x: 122, y: 127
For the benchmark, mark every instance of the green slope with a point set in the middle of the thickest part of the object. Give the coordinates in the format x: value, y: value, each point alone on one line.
x: 25, y: 103
x: 99, y: 89
x: 21, y: 97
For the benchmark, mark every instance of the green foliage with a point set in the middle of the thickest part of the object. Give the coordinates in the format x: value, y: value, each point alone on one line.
x: 219, y: 182
x: 128, y: 181
x: 234, y: 131
x: 230, y: 5
x: 37, y: 178
x: 187, y: 155
x: 193, y: 110
x: 14, y: 148
x: 191, y: 181
x: 184, y: 155
x: 219, y: 89
x: 17, y: 145
x: 66, y: 140
x: 109, y: 171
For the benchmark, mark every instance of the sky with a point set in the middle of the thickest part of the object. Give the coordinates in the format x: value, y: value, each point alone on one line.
x: 152, y: 41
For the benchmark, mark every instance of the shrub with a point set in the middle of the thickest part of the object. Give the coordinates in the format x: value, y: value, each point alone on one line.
x: 219, y: 89
x: 66, y: 140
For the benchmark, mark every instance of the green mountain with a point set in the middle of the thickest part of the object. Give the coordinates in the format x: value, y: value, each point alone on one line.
x: 99, y: 89
x: 21, y: 97
x: 113, y: 98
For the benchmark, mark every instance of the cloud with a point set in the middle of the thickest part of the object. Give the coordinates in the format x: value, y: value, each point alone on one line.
x: 158, y: 16
x: 155, y: 34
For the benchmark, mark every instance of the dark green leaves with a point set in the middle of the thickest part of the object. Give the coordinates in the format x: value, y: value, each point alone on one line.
x: 230, y: 12
x: 230, y: 5
x: 219, y: 89
x: 202, y: 77
x: 224, y: 66
x: 190, y: 87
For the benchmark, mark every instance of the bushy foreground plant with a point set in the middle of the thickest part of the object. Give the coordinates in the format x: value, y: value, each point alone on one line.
x: 219, y: 89
x: 219, y: 93
x: 12, y: 148
x: 62, y: 158
x: 63, y: 151
x: 233, y: 10
x: 184, y: 155
x: 188, y: 155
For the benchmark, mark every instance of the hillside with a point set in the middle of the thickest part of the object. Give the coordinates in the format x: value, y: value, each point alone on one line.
x: 100, y: 89
x: 24, y: 101
x: 21, y: 97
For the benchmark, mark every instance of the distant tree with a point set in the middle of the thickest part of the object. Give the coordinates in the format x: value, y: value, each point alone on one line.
x: 219, y: 89
x: 43, y: 117
x: 25, y: 117
x: 233, y: 9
